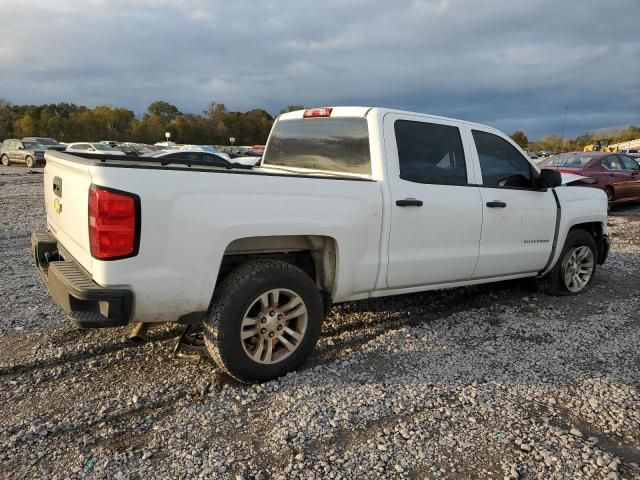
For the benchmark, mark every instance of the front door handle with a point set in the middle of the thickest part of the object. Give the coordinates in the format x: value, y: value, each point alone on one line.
x: 409, y: 202
x: 496, y: 204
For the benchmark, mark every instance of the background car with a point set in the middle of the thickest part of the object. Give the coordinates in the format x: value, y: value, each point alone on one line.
x: 165, y: 144
x: 258, y: 149
x: 235, y: 151
x: 252, y: 160
x: 192, y: 157
x: 617, y: 174
x: 96, y: 148
x: 50, y: 143
x: 133, y: 149
x: 21, y: 151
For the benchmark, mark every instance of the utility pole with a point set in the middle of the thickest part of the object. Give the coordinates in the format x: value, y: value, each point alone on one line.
x: 563, y: 124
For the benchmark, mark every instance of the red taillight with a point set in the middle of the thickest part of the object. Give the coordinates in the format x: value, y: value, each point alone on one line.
x: 317, y: 112
x: 113, y: 223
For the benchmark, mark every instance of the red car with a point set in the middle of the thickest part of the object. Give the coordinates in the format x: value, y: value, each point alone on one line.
x: 257, y: 149
x: 616, y: 173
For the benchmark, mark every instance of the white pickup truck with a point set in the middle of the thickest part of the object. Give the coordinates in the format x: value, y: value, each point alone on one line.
x: 347, y: 203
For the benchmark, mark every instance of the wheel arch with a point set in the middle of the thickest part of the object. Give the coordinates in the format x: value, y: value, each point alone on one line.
x: 316, y: 255
x: 594, y: 227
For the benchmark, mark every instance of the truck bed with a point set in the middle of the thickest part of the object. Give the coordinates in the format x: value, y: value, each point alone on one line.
x: 190, y: 218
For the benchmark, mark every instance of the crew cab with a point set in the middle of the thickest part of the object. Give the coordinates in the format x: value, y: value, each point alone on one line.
x: 347, y: 203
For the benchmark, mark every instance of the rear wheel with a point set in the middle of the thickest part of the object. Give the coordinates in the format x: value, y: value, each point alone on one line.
x: 29, y: 161
x: 5, y: 160
x: 265, y: 320
x: 575, y: 268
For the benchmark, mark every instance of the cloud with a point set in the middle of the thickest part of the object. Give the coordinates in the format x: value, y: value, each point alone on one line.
x: 514, y: 65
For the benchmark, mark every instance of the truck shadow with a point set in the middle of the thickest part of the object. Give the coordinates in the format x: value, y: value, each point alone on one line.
x: 69, y: 336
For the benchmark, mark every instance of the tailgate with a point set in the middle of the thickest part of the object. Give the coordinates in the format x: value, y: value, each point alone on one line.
x: 66, y: 195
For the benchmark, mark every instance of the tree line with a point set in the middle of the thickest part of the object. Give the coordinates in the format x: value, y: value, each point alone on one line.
x: 556, y: 143
x: 68, y: 122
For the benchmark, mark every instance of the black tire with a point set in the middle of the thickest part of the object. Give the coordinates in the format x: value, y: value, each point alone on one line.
x: 29, y: 161
x: 553, y: 283
x: 5, y: 160
x: 236, y: 295
x: 610, y: 197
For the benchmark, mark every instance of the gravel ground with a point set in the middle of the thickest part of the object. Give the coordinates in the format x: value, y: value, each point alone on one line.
x: 494, y: 381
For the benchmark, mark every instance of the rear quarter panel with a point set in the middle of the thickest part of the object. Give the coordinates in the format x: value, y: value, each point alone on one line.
x: 188, y: 219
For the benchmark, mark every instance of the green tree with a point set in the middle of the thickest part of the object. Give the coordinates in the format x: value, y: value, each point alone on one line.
x: 7, y: 118
x: 164, y: 110
x: 583, y: 140
x: 25, y: 126
x: 150, y: 129
x: 520, y: 138
x: 291, y: 108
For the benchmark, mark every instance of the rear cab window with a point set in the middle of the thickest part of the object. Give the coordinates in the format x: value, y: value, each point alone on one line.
x: 337, y: 145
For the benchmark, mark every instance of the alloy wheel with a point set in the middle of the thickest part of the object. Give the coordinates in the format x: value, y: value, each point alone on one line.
x: 577, y: 268
x: 274, y: 326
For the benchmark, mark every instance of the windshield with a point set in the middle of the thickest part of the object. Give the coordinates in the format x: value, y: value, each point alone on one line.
x: 327, y: 144
x: 141, y: 148
x: 103, y: 147
x: 46, y: 141
x: 33, y: 146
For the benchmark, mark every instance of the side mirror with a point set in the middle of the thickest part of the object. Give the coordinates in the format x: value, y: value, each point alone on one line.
x: 550, y: 178
x: 20, y: 147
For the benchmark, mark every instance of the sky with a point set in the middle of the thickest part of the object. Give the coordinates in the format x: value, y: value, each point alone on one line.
x: 511, y: 64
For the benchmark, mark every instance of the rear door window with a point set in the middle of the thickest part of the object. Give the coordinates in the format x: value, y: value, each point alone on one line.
x: 611, y: 163
x: 430, y: 153
x: 501, y: 164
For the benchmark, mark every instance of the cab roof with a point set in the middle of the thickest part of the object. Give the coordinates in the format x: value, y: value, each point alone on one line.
x: 349, y: 111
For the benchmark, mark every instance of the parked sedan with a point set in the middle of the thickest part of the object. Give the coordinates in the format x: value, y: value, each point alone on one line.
x: 617, y: 174
x: 95, y: 148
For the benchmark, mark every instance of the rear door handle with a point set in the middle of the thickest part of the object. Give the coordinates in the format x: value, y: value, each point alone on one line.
x: 496, y: 204
x: 409, y: 202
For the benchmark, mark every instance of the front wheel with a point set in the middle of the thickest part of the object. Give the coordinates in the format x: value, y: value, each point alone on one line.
x: 29, y: 162
x: 575, y: 268
x: 265, y: 320
x: 5, y: 160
